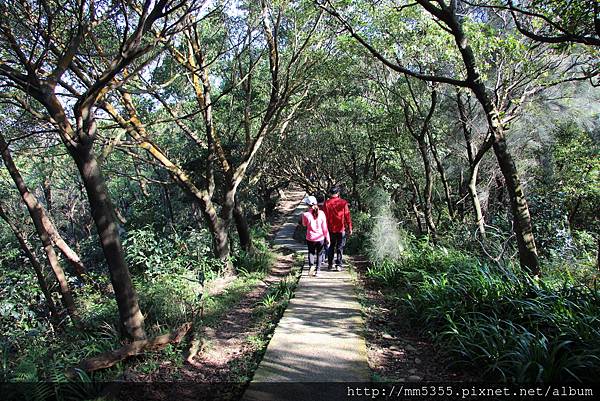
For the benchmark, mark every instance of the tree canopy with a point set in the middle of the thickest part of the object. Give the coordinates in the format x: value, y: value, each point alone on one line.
x: 149, y: 141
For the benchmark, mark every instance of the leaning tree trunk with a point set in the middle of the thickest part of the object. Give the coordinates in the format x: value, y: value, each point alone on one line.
x: 474, y: 161
x: 460, y: 208
x: 522, y: 226
x: 131, y: 318
x: 36, y: 213
x: 69, y: 254
x: 428, y: 190
x: 521, y: 218
x: 216, y: 226
x: 37, y: 267
x: 442, y: 171
x: 415, y: 202
x: 49, y: 227
x: 475, y: 200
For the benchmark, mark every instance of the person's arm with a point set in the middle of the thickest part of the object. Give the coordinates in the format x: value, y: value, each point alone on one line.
x: 302, y: 220
x: 325, y: 229
x: 347, y: 218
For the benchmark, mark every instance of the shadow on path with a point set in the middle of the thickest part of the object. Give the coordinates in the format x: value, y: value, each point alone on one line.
x: 319, y: 339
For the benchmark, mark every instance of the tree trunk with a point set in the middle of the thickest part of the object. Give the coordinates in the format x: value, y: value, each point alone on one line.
x: 168, y: 203
x: 48, y: 193
x: 37, y: 267
x: 131, y: 318
x: 416, y: 198
x: 226, y: 215
x: 415, y: 210
x: 428, y: 190
x: 522, y: 226
x: 521, y: 218
x: 140, y: 178
x: 441, y: 170
x: 49, y: 227
x: 65, y: 291
x: 69, y: 254
x: 475, y: 200
x: 219, y: 234
x: 461, y: 195
x: 36, y: 212
x: 573, y: 212
x: 217, y: 228
x: 241, y: 223
x: 474, y: 158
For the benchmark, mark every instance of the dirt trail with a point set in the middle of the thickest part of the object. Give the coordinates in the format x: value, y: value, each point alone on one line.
x: 396, y: 351
x: 226, y: 355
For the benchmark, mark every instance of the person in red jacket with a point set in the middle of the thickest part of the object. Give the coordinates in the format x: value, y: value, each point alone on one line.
x: 339, y: 223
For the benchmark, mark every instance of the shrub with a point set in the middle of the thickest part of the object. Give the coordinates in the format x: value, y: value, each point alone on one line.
x: 362, y: 223
x: 259, y: 259
x: 157, y: 252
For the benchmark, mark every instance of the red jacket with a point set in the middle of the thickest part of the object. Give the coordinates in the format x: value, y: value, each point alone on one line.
x: 338, y: 215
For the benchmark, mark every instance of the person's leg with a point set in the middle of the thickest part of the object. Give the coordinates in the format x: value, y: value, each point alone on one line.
x: 331, y: 250
x: 318, y: 249
x: 324, y: 254
x: 311, y: 254
x: 339, y: 250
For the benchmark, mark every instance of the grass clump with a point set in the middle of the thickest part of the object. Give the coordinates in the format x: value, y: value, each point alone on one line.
x: 258, y: 260
x: 495, y: 318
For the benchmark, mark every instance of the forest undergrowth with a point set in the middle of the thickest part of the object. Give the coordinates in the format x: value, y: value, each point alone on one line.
x: 40, y: 358
x: 489, y: 316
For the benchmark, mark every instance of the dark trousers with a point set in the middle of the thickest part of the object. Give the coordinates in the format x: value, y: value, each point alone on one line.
x: 314, y: 253
x: 325, y: 254
x: 338, y: 240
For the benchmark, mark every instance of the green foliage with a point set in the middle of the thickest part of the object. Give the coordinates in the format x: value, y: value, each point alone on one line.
x: 171, y: 266
x: 361, y: 227
x: 282, y: 291
x: 259, y: 259
x: 23, y: 312
x: 156, y: 252
x: 567, y: 194
x: 166, y: 266
x: 32, y: 380
x: 156, y: 297
x: 495, y: 318
x: 576, y: 163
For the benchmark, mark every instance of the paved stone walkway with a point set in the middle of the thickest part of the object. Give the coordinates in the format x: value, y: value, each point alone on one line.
x: 318, y: 340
